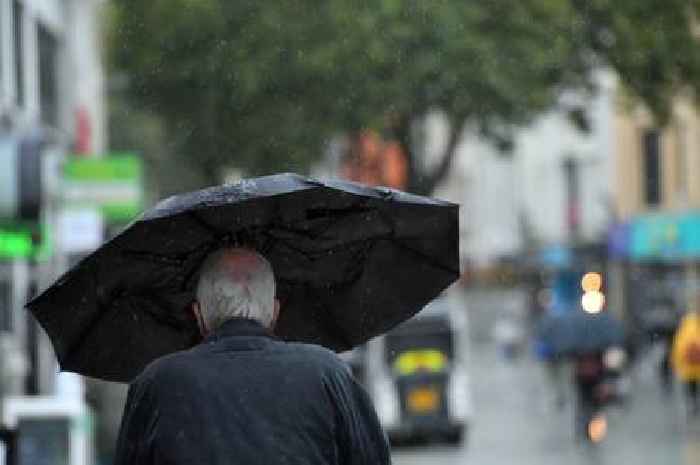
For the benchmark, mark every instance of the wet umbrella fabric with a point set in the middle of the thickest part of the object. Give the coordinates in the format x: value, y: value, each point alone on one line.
x: 577, y: 332
x: 351, y: 262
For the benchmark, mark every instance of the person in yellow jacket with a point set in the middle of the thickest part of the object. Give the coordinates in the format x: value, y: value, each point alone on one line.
x: 686, y: 357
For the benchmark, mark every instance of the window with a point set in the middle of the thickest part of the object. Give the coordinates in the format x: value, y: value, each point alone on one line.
x: 5, y: 305
x: 48, y: 94
x: 573, y: 199
x: 18, y: 28
x: 651, y: 151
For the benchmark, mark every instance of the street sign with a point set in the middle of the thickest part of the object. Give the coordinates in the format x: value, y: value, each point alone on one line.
x: 25, y: 240
x: 80, y: 230
x: 114, y: 184
x: 21, y: 188
x: 16, y: 243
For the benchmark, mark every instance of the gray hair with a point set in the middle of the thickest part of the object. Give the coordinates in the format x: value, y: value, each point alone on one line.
x: 236, y: 283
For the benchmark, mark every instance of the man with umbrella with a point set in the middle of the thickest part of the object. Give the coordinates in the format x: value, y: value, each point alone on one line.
x: 350, y: 263
x: 243, y: 396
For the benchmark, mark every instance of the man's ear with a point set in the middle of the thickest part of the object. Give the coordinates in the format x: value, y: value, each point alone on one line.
x: 275, y: 314
x: 197, y: 312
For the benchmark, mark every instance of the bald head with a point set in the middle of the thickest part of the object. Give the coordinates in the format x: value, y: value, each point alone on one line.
x: 236, y: 283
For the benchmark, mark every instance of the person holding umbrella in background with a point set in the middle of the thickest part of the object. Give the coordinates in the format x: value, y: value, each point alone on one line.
x: 593, y: 339
x: 686, y: 358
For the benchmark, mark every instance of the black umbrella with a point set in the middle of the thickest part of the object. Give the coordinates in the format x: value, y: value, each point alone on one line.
x: 578, y: 332
x: 351, y: 262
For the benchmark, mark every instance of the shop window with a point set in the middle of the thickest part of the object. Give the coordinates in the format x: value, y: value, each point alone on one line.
x: 651, y: 151
x: 48, y: 92
x: 18, y: 42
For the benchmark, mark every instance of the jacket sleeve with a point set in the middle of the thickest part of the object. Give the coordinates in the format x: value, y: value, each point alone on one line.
x: 361, y: 440
x: 134, y: 442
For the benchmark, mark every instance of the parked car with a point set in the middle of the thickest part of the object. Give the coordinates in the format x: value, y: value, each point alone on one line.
x: 417, y: 376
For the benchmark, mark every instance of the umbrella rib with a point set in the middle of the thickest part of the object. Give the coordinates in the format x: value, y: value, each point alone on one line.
x: 100, y: 314
x: 203, y: 224
x: 172, y: 322
x: 152, y: 257
x: 93, y: 321
x: 337, y: 248
x: 428, y: 258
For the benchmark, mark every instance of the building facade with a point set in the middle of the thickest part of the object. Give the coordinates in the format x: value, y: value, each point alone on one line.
x: 52, y: 104
x: 656, y: 241
x: 51, y: 75
x: 545, y: 206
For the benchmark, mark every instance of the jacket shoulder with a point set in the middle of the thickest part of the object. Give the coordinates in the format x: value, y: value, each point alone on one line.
x: 175, y: 364
x: 324, y: 357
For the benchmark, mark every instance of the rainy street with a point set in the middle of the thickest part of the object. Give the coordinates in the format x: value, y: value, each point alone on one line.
x: 412, y: 232
x: 515, y: 422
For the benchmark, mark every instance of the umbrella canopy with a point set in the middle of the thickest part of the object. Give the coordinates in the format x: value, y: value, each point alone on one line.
x: 350, y: 261
x: 578, y: 332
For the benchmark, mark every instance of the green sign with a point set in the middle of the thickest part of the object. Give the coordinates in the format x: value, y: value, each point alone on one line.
x: 15, y: 244
x: 112, y: 183
x: 25, y: 241
x: 122, y: 168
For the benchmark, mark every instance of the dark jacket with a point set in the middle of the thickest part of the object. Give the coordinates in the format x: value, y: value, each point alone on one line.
x: 244, y: 397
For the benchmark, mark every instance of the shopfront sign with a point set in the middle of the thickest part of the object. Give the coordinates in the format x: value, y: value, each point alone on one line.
x: 113, y: 184
x: 665, y: 237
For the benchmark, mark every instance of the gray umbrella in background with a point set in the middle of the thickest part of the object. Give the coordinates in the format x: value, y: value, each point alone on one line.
x: 576, y: 332
x: 351, y: 262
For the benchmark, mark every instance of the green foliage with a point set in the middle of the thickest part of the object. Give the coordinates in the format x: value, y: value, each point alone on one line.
x: 652, y: 45
x: 260, y: 86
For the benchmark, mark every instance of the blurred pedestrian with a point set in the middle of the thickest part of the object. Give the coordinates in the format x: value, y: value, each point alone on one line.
x: 686, y: 358
x: 660, y: 322
x: 509, y: 337
x: 242, y: 395
x: 588, y: 374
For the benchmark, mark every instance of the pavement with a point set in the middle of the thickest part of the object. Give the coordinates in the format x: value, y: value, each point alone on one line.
x: 516, y: 422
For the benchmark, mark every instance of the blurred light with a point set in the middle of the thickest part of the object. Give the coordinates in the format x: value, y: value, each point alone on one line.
x: 459, y: 398
x: 413, y: 361
x: 593, y: 301
x: 591, y: 282
x: 597, y: 428
x: 614, y: 358
x: 14, y: 244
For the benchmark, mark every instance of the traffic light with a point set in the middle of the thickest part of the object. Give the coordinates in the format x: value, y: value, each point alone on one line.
x: 21, y: 188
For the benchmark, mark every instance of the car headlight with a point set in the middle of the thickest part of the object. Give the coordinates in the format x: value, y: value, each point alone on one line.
x: 614, y: 358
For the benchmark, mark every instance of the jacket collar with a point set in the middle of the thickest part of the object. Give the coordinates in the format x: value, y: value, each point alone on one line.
x: 239, y: 327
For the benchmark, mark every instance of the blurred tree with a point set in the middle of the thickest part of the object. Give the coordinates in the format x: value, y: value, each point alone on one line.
x: 260, y: 86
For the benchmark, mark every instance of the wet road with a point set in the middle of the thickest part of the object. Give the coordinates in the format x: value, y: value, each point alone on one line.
x: 515, y: 422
